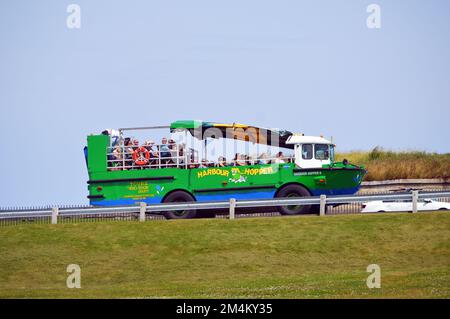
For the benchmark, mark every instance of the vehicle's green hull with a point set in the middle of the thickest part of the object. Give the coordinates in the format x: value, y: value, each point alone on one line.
x: 122, y: 187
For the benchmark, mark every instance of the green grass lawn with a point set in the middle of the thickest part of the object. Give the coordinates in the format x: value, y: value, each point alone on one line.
x: 279, y: 257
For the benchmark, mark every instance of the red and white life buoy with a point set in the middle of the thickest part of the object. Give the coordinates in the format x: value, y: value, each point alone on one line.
x: 141, y: 156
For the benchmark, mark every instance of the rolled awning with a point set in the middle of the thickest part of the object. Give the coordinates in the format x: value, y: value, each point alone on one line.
x: 248, y: 133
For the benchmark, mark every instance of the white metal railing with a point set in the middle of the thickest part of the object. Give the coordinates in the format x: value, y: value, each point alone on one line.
x: 231, y: 205
x: 121, y: 158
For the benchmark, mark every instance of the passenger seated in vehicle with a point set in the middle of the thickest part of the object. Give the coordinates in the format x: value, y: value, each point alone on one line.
x: 153, y: 153
x: 135, y: 143
x: 222, y: 162
x: 114, y: 137
x: 240, y: 160
x: 279, y: 158
x: 173, y: 152
x: 164, y: 151
x: 117, y: 159
x: 134, y: 147
x: 263, y: 159
x: 307, y: 151
x: 113, y: 134
x: 181, y: 154
x: 204, y: 164
x: 164, y: 148
x: 235, y: 159
x: 149, y: 146
x: 128, y: 152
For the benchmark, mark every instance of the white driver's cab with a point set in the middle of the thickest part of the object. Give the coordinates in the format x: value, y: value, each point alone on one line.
x: 311, y: 151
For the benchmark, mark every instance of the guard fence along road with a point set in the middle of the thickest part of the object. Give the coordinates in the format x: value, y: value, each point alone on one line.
x: 144, y: 212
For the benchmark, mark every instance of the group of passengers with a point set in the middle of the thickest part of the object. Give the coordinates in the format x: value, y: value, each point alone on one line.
x: 171, y: 154
x: 167, y: 154
x: 244, y: 160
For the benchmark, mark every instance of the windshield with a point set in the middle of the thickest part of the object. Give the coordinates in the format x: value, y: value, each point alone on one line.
x: 321, y: 152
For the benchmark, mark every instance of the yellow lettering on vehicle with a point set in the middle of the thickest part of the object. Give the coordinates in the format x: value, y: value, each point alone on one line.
x: 236, y: 170
x: 140, y: 187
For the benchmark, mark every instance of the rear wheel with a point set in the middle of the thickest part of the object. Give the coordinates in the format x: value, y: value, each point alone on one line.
x: 291, y: 191
x: 179, y: 197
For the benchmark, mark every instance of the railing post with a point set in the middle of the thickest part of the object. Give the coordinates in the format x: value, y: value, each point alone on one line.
x: 323, y: 200
x: 232, y: 207
x: 142, y: 210
x: 55, y: 212
x: 415, y: 197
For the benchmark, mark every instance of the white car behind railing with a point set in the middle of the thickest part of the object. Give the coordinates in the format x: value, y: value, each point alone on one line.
x: 403, y: 206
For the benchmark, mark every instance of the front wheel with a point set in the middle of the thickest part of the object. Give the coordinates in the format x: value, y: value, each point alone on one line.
x: 179, y: 197
x: 293, y: 191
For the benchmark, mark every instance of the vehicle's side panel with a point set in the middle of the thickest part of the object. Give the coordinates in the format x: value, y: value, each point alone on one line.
x: 129, y: 187
x: 97, y: 146
x: 122, y: 187
x: 329, y: 181
x: 240, y: 182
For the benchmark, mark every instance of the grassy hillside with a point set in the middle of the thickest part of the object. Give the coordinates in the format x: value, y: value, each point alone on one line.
x: 386, y: 165
x: 292, y: 257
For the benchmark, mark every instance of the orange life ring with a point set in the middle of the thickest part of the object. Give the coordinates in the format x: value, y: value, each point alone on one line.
x: 141, y: 156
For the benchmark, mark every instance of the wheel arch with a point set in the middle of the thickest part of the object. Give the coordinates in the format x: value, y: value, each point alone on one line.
x: 178, y: 190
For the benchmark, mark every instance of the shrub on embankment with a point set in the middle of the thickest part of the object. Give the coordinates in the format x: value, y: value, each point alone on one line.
x: 387, y: 165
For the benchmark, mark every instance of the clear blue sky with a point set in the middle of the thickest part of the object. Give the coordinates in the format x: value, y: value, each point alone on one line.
x: 308, y: 66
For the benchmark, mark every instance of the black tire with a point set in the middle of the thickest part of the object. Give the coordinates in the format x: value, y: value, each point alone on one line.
x: 179, y: 197
x: 204, y: 214
x: 315, y: 209
x: 293, y: 191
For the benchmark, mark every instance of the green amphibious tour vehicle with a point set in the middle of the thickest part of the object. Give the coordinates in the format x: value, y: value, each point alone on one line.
x: 125, y: 171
